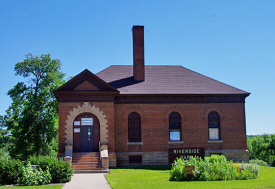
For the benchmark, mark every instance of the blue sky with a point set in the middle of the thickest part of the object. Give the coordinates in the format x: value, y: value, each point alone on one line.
x: 231, y: 41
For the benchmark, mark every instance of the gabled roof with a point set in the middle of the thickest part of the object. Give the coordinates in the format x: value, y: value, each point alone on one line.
x: 86, y: 81
x: 165, y: 80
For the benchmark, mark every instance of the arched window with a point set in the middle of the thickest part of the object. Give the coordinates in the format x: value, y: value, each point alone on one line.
x: 214, y: 126
x: 175, y: 126
x: 134, y: 127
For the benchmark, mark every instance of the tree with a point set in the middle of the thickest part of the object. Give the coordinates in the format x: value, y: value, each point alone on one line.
x: 262, y: 147
x: 33, y: 115
x: 4, y: 139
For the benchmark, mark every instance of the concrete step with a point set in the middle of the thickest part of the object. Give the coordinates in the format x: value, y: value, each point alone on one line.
x: 86, y: 162
x: 88, y: 154
x: 86, y: 165
x: 77, y: 157
x: 90, y: 171
x: 88, y: 168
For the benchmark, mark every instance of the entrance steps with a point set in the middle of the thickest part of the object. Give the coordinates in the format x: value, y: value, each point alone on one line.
x: 87, y: 162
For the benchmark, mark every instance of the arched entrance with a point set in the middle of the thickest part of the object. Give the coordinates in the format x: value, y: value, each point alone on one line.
x: 86, y: 133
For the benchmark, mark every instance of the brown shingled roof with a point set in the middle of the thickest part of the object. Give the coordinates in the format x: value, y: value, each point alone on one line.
x: 164, y: 80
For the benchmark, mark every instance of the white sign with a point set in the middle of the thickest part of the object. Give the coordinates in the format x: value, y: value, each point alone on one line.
x: 77, y: 123
x: 76, y: 130
x: 86, y: 121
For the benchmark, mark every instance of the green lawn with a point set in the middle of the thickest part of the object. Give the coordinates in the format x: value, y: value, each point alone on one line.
x: 147, y: 177
x: 35, y: 187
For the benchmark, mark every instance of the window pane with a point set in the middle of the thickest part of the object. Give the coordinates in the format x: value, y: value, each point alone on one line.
x: 174, y: 125
x: 213, y: 124
x: 214, y: 134
x: 174, y: 134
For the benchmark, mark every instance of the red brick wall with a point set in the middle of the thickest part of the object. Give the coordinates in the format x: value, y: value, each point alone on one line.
x: 64, y: 111
x: 194, y: 118
x: 155, y: 121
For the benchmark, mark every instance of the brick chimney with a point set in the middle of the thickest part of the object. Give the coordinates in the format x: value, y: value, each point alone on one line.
x: 138, y: 53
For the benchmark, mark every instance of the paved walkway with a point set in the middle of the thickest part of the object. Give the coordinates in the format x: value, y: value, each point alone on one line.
x: 87, y: 180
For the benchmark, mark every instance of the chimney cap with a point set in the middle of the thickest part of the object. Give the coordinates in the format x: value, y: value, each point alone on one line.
x: 137, y: 26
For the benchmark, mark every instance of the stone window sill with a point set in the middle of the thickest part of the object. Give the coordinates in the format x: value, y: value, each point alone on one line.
x: 175, y: 142
x: 134, y: 143
x: 214, y: 141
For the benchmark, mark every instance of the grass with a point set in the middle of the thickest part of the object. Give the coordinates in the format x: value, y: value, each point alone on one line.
x: 35, y: 187
x: 158, y: 177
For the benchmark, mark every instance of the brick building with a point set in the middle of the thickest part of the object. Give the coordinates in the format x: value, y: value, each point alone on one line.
x: 141, y: 115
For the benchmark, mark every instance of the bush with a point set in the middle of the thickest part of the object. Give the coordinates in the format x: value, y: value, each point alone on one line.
x: 258, y: 162
x: 59, y: 169
x: 212, y: 169
x: 37, y: 177
x: 10, y: 170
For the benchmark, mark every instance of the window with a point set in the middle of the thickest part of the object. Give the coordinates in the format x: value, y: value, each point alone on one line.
x: 134, y: 127
x: 175, y: 126
x: 214, y: 126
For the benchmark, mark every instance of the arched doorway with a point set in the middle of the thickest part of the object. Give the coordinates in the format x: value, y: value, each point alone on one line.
x: 86, y: 134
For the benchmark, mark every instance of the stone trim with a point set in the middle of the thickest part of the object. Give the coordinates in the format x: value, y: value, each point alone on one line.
x: 214, y: 141
x: 68, y: 151
x: 112, y: 159
x: 69, y: 159
x: 134, y: 143
x: 208, y: 152
x: 175, y: 142
x: 148, y: 158
x: 234, y: 154
x: 162, y: 157
x: 86, y: 107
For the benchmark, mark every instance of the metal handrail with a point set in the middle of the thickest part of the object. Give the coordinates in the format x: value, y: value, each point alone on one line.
x: 99, y: 150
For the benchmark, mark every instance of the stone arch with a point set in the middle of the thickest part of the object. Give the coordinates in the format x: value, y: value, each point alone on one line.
x: 86, y: 107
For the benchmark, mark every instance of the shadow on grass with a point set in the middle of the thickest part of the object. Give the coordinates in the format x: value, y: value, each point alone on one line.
x: 152, y: 167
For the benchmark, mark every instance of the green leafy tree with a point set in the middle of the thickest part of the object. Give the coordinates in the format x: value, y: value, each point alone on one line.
x: 33, y: 115
x: 262, y: 147
x: 4, y: 139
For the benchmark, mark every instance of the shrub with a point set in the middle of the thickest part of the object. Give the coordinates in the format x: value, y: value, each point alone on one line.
x: 10, y: 170
x: 59, y: 169
x: 212, y: 169
x: 37, y: 177
x: 258, y: 162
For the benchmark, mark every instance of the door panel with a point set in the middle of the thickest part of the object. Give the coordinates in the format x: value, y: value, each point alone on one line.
x: 86, y: 139
x: 76, y: 144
